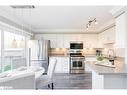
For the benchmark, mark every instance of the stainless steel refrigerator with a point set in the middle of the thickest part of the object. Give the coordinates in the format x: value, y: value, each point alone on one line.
x: 39, y: 53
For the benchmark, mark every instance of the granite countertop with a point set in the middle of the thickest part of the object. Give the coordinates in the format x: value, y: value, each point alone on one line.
x: 58, y: 55
x: 66, y: 55
x: 90, y: 55
x: 120, y: 69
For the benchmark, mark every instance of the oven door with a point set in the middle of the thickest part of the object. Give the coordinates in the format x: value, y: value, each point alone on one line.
x: 77, y: 64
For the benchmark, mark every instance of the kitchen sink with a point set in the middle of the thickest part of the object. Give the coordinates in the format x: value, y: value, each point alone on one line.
x: 105, y: 63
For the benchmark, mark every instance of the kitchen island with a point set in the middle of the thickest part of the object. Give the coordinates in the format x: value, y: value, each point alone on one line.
x: 107, y: 77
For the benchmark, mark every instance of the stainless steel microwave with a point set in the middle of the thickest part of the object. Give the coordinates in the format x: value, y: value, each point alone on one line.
x: 76, y: 45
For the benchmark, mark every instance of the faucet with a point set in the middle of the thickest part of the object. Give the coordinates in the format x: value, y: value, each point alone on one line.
x: 111, y: 55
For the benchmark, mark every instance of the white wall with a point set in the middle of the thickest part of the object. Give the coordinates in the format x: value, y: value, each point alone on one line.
x: 120, y: 52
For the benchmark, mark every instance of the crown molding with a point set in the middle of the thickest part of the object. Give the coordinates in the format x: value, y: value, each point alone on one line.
x: 9, y: 19
x: 117, y: 11
x: 65, y: 31
x: 106, y: 26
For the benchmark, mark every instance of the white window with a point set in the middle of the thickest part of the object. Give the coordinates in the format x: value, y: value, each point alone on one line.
x: 14, y: 48
x: 13, y: 41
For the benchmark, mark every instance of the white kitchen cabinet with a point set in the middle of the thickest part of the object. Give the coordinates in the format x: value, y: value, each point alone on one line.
x: 112, y: 35
x: 90, y: 40
x: 87, y: 68
x: 109, y: 36
x: 62, y: 65
x: 58, y: 68
x: 89, y: 58
x: 65, y: 64
x: 121, y: 30
x: 56, y: 41
x: 51, y: 37
x: 106, y: 37
x: 67, y: 39
x: 63, y: 40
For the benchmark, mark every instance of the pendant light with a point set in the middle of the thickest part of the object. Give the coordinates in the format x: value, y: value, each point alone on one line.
x: 21, y: 44
x: 14, y: 42
x: 30, y: 42
x: 90, y: 23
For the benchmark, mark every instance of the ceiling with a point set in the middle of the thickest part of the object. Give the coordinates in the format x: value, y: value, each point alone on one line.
x: 51, y: 19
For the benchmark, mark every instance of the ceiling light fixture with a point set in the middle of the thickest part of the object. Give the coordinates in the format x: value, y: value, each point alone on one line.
x: 22, y: 44
x: 23, y: 6
x: 90, y: 23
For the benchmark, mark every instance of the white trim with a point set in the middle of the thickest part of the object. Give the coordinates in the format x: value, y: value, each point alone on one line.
x: 108, y: 27
x: 117, y: 11
x: 13, y: 20
x: 10, y: 28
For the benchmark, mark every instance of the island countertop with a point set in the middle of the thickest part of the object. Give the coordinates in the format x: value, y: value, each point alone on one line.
x: 120, y: 69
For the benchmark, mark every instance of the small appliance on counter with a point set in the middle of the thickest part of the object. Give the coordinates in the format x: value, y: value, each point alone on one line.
x: 98, y: 52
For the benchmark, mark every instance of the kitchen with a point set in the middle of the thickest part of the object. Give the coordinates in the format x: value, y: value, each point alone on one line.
x: 78, y: 37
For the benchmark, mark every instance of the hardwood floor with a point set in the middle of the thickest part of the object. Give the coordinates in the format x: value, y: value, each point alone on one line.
x: 72, y: 81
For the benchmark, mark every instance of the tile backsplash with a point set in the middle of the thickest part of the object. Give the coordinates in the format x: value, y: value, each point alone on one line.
x: 65, y: 51
x: 118, y: 52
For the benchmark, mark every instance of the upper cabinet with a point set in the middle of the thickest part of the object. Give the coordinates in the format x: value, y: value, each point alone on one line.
x: 90, y: 40
x: 121, y: 30
x: 106, y: 37
x: 63, y: 40
x: 110, y: 35
x: 120, y: 15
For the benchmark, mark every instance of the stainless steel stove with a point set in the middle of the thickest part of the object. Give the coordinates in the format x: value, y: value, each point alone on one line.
x: 77, y: 64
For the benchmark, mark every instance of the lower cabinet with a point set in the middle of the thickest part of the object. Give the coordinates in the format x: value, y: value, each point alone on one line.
x: 89, y: 58
x: 62, y: 65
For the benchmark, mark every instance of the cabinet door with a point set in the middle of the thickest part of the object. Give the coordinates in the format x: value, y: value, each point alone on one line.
x: 109, y: 35
x: 52, y: 38
x: 58, y: 68
x: 62, y: 65
x: 59, y: 41
x: 65, y: 64
x: 87, y: 68
x: 89, y: 40
x: 67, y: 40
x: 120, y: 31
x: 66, y: 43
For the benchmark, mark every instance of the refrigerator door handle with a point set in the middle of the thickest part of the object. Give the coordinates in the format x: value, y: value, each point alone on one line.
x: 38, y: 52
